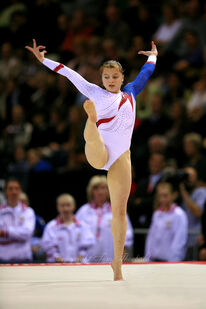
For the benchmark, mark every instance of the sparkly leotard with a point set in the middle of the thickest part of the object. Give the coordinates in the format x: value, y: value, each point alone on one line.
x: 115, y: 111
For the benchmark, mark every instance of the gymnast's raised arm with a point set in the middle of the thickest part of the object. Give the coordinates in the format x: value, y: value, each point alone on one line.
x: 79, y: 82
x: 136, y: 86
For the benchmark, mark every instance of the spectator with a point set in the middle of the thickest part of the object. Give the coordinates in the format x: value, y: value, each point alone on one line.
x: 157, y: 122
x: 19, y: 131
x: 177, y: 131
x: 167, y: 237
x: 169, y: 27
x: 19, y: 167
x: 173, y: 88
x: 198, y: 97
x: 116, y: 29
x: 192, y: 149
x: 141, y: 203
x: 17, y: 222
x: 9, y: 63
x: 79, y: 28
x: 193, y: 54
x: 65, y: 239
x: 193, y: 201
x: 97, y: 214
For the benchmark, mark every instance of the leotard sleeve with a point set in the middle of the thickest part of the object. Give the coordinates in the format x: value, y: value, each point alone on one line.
x: 136, y: 86
x: 88, y: 89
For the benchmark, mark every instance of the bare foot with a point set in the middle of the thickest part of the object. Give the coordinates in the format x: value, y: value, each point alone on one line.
x: 90, y: 109
x: 116, y: 267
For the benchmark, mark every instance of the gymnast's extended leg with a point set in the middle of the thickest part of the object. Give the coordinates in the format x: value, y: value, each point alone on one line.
x: 95, y: 150
x: 119, y: 183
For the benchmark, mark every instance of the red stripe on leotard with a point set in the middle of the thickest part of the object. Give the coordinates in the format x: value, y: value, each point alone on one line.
x: 105, y: 120
x: 60, y: 66
x: 151, y: 62
x: 125, y: 96
x: 124, y: 99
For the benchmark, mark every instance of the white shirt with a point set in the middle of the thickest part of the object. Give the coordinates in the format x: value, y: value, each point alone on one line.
x: 167, y: 237
x: 18, y: 224
x: 66, y: 241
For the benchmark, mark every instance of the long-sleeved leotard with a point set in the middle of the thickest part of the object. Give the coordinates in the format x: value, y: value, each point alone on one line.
x: 115, y: 111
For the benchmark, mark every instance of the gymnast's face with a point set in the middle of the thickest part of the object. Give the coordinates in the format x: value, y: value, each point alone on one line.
x: 112, y: 79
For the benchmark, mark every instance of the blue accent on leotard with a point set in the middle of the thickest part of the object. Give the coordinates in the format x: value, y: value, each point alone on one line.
x: 136, y: 86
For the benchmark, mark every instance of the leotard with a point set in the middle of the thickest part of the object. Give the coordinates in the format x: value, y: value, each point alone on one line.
x: 115, y: 111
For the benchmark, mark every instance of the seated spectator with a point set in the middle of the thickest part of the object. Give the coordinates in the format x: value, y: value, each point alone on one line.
x: 198, y: 97
x: 116, y: 29
x: 65, y: 239
x: 17, y: 222
x: 193, y: 201
x: 97, y: 213
x: 173, y: 90
x: 9, y: 63
x: 19, y: 167
x: 18, y: 131
x: 196, y: 120
x: 79, y: 28
x: 141, y: 203
x: 167, y: 237
x: 177, y: 131
x: 157, y: 122
x: 192, y: 57
x: 169, y: 27
x: 192, y: 149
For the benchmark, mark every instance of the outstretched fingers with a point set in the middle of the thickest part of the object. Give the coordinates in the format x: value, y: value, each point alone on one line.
x: 34, y: 43
x: 29, y: 48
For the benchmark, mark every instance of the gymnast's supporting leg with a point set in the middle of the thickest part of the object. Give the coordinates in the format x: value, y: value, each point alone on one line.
x: 119, y: 183
x: 95, y: 150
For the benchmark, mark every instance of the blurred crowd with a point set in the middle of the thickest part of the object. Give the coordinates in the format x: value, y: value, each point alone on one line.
x: 42, y: 120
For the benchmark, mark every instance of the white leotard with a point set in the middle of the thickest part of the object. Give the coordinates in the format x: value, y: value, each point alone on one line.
x: 115, y: 111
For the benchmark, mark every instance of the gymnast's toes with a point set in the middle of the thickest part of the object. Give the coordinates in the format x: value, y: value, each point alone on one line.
x: 89, y: 108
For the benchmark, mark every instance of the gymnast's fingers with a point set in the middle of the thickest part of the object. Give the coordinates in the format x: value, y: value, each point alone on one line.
x: 34, y: 43
x: 29, y: 48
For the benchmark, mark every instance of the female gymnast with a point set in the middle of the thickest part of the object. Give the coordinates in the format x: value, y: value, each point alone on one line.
x: 108, y: 132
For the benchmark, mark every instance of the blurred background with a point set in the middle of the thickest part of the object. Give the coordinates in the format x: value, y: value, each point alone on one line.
x: 41, y: 115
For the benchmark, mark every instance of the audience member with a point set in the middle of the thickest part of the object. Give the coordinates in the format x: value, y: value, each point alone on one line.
x: 193, y: 200
x: 65, y: 239
x: 193, y: 150
x: 17, y: 222
x: 167, y: 237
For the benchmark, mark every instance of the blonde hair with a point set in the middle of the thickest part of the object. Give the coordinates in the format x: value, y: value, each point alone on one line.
x: 194, y: 138
x: 165, y: 185
x: 111, y: 64
x: 66, y: 197
x: 95, y: 181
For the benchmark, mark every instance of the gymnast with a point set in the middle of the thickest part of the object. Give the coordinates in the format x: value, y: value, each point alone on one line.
x: 108, y: 132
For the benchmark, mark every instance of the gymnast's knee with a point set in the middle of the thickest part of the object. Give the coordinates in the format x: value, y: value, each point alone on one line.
x: 119, y: 213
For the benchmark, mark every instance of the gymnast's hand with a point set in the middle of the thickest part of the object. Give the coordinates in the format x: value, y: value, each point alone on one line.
x: 152, y: 52
x: 36, y: 51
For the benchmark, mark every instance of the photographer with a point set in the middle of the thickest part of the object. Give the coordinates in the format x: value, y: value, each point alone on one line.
x: 193, y: 199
